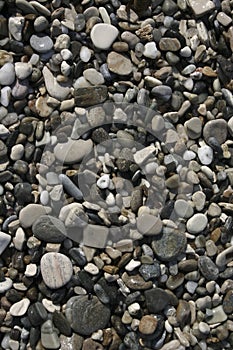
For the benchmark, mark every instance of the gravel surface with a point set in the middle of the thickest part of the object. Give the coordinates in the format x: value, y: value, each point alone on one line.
x: 116, y: 175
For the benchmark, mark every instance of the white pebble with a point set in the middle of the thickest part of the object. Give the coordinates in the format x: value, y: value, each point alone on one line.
x: 5, y: 96
x: 17, y: 152
x: 150, y: 50
x: 19, y: 239
x: 92, y: 269
x: 133, y: 264
x: 133, y: 308
x: 103, y: 182
x: 197, y: 223
x: 20, y: 308
x: 205, y: 154
x: 31, y: 270
x: 85, y: 54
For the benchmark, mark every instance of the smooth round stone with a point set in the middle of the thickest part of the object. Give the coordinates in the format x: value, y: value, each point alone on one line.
x: 169, y: 246
x: 150, y: 50
x: 215, y: 128
x: 56, y: 270
x: 208, y: 268
x: 72, y: 151
x: 197, y: 223
x: 85, y: 54
x: 87, y: 315
x: 29, y: 214
x: 7, y: 74
x: 205, y: 154
x: 162, y: 92
x: 103, y: 182
x: 20, y: 308
x: 49, y: 229
x: 119, y: 64
x: 199, y: 200
x: 204, y: 328
x: 103, y: 35
x: 41, y: 44
x: 17, y: 152
x: 5, y: 285
x: 93, y: 76
x: 149, y: 224
x: 41, y: 24
x: 158, y: 123
x: 23, y: 70
x: 4, y: 241
x: 183, y: 208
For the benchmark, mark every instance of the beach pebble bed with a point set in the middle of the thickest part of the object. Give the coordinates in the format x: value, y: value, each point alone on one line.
x: 116, y: 175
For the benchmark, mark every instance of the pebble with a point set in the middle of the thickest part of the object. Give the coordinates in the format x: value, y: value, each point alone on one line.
x: 118, y: 64
x: 224, y: 257
x: 208, y: 268
x: 70, y: 187
x: 53, y: 87
x: 218, y: 315
x: 205, y: 154
x: 41, y: 44
x: 15, y: 26
x: 183, y: 208
x: 86, y: 315
x: 85, y: 54
x: 72, y: 151
x: 95, y: 236
x: 103, y: 35
x: 4, y: 241
x: 169, y: 246
x: 216, y: 128
x: 7, y: 74
x: 150, y: 50
x: 23, y: 70
x: 200, y: 7
x: 149, y: 225
x: 197, y: 223
x: 162, y: 297
x: 148, y: 325
x: 169, y: 44
x: 30, y: 213
x: 56, y: 270
x: 49, y: 337
x: 20, y: 308
x: 91, y: 95
x: 49, y: 229
x: 5, y: 285
x: 93, y: 76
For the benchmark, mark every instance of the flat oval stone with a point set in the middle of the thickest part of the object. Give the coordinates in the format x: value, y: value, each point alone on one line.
x: 56, y: 270
x: 169, y: 245
x: 7, y: 74
x: 197, y: 223
x: 216, y: 128
x: 72, y: 151
x: 208, y: 268
x: 103, y: 35
x: 49, y: 229
x: 87, y: 315
x: 119, y: 64
x: 29, y: 214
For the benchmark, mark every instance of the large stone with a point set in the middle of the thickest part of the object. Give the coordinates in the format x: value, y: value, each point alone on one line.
x: 56, y: 269
x: 215, y: 128
x: 103, y: 35
x: 72, y: 151
x: 29, y: 214
x: 91, y: 95
x: 201, y: 7
x: 169, y: 245
x: 53, y: 87
x: 49, y: 229
x: 119, y: 64
x: 87, y: 314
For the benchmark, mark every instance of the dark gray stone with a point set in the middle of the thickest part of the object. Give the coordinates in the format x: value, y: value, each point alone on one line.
x: 49, y: 229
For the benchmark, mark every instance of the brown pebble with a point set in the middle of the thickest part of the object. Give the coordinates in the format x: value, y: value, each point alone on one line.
x: 120, y: 46
x: 148, y: 325
x: 183, y: 313
x: 215, y: 235
x: 90, y: 344
x: 136, y: 282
